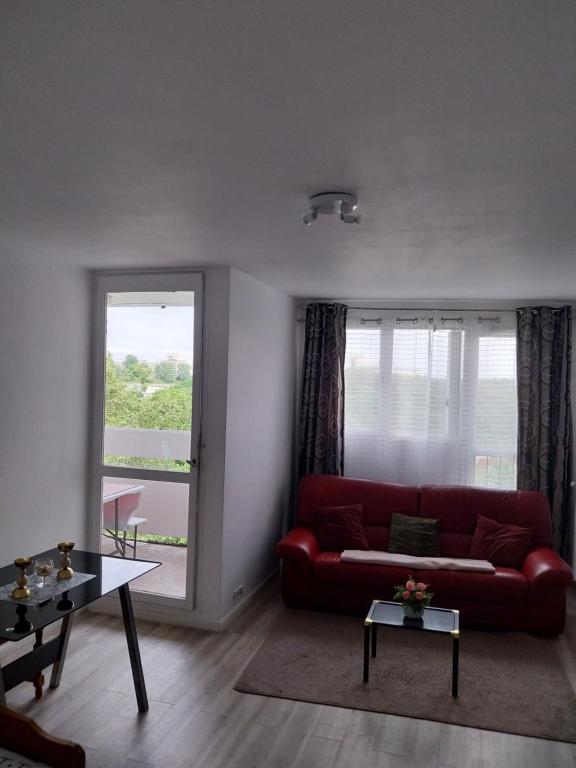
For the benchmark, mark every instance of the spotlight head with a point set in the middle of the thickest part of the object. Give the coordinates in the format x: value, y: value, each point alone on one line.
x: 344, y: 204
x: 308, y: 218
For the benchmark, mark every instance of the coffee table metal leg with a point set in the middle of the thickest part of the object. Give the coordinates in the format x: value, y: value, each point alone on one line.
x: 374, y: 639
x: 366, y: 650
x: 455, y: 655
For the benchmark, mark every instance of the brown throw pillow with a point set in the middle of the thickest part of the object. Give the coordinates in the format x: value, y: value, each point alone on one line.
x: 339, y: 528
x: 418, y: 536
x: 503, y: 545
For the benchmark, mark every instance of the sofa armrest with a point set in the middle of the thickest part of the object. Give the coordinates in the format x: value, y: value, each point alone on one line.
x: 545, y: 569
x: 299, y: 544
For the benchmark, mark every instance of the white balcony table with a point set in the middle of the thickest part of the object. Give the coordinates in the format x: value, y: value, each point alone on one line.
x: 119, y: 501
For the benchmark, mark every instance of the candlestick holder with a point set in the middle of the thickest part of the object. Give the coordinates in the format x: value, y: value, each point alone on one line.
x: 65, y: 604
x: 22, y: 591
x: 22, y: 625
x: 65, y: 571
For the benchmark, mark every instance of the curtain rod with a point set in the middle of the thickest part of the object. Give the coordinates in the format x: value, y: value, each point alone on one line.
x: 430, y: 309
x: 415, y: 309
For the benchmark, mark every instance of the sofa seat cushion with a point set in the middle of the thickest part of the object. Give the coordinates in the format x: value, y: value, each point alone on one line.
x: 380, y: 579
x: 507, y: 585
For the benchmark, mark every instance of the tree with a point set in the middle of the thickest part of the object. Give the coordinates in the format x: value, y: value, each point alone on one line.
x: 165, y: 371
x: 184, y: 372
x: 134, y: 370
x: 167, y: 409
x: 122, y: 403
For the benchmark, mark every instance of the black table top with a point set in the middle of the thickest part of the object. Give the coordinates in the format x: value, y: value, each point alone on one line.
x: 18, y: 620
x: 444, y: 620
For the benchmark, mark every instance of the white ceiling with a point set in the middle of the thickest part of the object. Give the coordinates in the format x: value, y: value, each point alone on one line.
x: 175, y: 132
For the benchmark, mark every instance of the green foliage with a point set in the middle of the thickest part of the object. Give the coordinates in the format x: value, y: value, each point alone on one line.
x: 141, y: 462
x: 167, y: 409
x: 165, y: 372
x: 184, y: 372
x: 134, y: 370
x: 127, y: 405
x: 122, y: 403
x: 156, y: 538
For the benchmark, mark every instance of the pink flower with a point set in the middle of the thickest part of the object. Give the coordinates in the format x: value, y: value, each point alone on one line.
x: 419, y: 596
x: 410, y: 586
x: 406, y: 595
x: 421, y: 586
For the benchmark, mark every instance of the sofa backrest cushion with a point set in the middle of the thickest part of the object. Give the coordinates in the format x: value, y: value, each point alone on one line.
x: 339, y: 528
x: 379, y: 502
x: 457, y: 508
x: 416, y: 536
x: 502, y: 544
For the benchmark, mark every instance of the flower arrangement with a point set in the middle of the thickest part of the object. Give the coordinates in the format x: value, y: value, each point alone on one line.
x: 414, y: 593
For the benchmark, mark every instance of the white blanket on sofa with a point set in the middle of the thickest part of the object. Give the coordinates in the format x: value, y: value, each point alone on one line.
x: 374, y: 557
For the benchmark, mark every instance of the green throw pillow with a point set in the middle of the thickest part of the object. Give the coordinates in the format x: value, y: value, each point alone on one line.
x: 418, y: 536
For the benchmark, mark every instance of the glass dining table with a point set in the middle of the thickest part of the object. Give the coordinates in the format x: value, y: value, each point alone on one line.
x: 95, y: 575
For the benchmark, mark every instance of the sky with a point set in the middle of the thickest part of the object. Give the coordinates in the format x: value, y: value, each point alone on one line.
x: 150, y: 333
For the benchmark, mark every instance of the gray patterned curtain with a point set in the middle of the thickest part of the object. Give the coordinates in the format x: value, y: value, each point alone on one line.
x: 322, y: 405
x: 544, y: 349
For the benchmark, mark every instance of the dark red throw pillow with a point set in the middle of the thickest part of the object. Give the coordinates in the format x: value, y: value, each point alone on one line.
x: 503, y: 545
x: 339, y: 528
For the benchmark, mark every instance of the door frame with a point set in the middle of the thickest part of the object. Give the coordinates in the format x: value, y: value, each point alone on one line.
x: 110, y: 281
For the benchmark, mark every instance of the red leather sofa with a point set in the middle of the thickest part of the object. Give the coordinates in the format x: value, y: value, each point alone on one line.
x: 532, y: 599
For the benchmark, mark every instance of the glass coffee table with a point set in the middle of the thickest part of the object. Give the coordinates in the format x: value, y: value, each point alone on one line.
x: 383, y: 613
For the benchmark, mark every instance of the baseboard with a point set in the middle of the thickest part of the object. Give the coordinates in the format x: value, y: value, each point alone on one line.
x: 250, y: 597
x: 157, y: 614
x: 160, y: 614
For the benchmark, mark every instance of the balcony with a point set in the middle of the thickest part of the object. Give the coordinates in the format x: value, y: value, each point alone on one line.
x: 163, y: 505
x: 169, y: 579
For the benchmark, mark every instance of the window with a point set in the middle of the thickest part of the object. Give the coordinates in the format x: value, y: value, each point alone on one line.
x: 431, y: 399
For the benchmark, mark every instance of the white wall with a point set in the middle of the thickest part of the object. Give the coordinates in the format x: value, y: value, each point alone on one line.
x: 247, y: 407
x: 259, y: 428
x: 211, y: 479
x: 44, y: 342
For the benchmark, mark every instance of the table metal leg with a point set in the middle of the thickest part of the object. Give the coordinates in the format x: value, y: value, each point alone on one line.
x: 366, y: 651
x: 374, y: 639
x: 455, y: 656
x: 38, y: 679
x: 133, y: 649
x: 62, y: 648
x: 2, y: 693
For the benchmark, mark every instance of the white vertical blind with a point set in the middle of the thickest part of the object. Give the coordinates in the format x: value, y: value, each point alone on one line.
x: 431, y: 397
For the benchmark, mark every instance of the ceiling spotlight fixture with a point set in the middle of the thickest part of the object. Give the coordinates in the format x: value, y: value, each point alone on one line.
x: 342, y: 203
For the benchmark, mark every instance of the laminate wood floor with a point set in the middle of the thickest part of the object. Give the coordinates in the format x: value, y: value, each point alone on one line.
x: 196, y: 718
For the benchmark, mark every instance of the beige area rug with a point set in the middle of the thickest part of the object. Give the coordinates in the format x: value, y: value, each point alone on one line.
x: 509, y: 682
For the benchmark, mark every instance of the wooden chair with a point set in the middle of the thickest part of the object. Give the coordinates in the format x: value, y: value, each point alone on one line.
x: 20, y: 734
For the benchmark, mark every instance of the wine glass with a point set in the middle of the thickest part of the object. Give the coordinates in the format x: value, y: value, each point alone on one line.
x: 43, y: 567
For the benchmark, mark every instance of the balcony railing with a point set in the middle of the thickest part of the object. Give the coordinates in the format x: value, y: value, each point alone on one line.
x: 163, y: 504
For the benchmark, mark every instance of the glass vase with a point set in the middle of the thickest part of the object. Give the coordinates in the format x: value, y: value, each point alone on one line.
x: 412, y: 611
